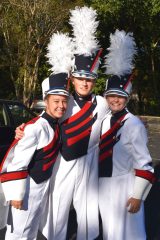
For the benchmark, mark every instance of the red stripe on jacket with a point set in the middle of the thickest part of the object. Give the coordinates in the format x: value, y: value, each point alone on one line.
x: 5, y: 156
x: 78, y: 114
x: 113, y: 127
x: 51, y: 144
x: 105, y: 155
x: 11, y: 176
x: 101, y: 146
x: 15, y: 141
x: 70, y: 130
x: 145, y: 174
x: 48, y: 165
x: 75, y: 139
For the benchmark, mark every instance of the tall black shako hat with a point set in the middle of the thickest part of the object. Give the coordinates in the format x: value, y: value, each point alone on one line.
x: 87, y: 52
x: 60, y: 57
x: 56, y: 84
x: 119, y: 64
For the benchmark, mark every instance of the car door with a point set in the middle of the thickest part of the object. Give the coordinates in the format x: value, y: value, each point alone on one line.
x: 11, y: 115
x: 6, y: 130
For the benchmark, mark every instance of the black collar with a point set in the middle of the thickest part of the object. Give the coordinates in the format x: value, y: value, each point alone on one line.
x: 117, y: 115
x: 52, y: 121
x: 120, y: 113
x: 81, y: 101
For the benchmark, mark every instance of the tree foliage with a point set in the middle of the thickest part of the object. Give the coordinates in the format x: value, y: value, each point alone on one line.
x: 26, y: 26
x: 142, y: 18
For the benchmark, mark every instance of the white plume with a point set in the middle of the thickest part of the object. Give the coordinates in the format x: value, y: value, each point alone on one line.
x: 60, y: 53
x: 83, y: 21
x: 119, y: 60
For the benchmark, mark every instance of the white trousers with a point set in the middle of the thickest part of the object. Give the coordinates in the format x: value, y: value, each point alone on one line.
x: 24, y: 224
x: 75, y: 180
x: 117, y: 222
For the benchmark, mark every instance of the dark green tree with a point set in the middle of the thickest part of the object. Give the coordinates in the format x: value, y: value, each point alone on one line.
x: 142, y: 18
x: 26, y: 26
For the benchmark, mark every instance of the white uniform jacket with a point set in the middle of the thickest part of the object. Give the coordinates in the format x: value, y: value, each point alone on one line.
x: 77, y: 169
x: 32, y: 157
x: 125, y: 170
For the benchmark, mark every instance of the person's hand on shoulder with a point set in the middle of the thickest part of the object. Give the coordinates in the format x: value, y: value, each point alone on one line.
x: 19, y: 132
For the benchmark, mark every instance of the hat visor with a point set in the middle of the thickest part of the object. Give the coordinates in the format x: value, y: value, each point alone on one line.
x: 116, y: 92
x: 57, y: 92
x: 84, y: 74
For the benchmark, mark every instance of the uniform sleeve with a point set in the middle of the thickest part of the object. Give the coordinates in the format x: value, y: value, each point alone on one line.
x: 15, y: 173
x: 142, y: 162
x: 3, y: 209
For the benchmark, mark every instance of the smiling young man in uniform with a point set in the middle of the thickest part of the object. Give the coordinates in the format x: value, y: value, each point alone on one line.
x: 76, y: 178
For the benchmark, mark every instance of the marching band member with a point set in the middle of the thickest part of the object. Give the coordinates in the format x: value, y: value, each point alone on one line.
x: 77, y: 175
x: 125, y: 165
x: 27, y: 167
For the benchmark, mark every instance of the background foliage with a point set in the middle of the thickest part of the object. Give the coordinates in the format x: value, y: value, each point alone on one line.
x: 26, y: 26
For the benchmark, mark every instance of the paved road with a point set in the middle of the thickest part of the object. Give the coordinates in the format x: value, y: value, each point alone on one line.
x: 152, y: 204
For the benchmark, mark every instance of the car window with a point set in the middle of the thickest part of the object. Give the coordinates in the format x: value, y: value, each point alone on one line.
x: 3, y: 116
x: 19, y: 114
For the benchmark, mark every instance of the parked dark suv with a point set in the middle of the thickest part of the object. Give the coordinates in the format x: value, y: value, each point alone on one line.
x: 12, y: 114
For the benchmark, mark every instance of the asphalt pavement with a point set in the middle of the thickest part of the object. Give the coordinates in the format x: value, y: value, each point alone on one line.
x: 152, y: 203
